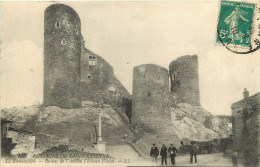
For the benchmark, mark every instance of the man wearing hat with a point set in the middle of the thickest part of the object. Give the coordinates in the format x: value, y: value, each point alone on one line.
x: 172, y: 152
x: 154, y: 152
x: 163, y: 154
x: 193, y: 151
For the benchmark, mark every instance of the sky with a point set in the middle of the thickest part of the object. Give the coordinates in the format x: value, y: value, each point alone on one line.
x: 127, y: 34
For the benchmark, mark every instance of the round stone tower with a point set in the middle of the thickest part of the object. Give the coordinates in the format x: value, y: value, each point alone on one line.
x: 62, y: 52
x: 150, y: 93
x: 184, y: 79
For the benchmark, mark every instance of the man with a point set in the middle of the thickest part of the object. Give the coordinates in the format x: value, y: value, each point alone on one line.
x: 154, y: 153
x: 163, y: 154
x: 172, y: 152
x: 193, y: 151
x: 234, y: 158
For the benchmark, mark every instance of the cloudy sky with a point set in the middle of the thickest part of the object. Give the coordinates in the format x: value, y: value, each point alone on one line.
x: 127, y: 34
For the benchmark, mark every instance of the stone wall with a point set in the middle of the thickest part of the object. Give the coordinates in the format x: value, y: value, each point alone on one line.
x: 98, y: 81
x: 184, y: 78
x: 62, y: 49
x: 246, y: 126
x: 150, y: 93
x: 72, y: 73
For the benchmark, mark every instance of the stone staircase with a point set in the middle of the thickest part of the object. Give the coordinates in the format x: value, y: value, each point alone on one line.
x: 136, y: 134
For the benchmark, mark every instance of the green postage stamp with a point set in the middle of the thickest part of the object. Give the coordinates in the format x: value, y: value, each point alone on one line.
x: 235, y: 24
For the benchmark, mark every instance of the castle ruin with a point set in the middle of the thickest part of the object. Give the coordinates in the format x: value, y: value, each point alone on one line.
x: 151, y: 96
x: 74, y: 76
x: 62, y: 54
x: 184, y: 78
x: 156, y: 90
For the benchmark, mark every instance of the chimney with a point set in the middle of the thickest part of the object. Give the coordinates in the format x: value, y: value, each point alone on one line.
x: 245, y: 93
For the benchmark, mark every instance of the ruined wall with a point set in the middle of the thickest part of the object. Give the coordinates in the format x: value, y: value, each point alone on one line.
x: 62, y: 50
x: 72, y: 73
x: 185, y: 79
x: 246, y: 125
x: 150, y: 93
x: 98, y: 81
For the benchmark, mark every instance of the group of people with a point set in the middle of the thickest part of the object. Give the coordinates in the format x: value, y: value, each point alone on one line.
x: 172, y: 152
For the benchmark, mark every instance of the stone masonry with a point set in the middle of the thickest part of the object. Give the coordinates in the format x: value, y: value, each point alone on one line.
x: 98, y: 81
x: 246, y: 126
x: 151, y: 96
x: 62, y: 48
x: 184, y: 78
x: 73, y: 75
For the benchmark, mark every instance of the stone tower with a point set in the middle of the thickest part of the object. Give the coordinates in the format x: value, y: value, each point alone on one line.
x: 62, y: 52
x: 184, y: 78
x: 150, y: 93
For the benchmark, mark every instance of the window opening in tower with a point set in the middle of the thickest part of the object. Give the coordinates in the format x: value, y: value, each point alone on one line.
x: 112, y: 90
x: 63, y: 42
x: 57, y: 25
x: 92, y: 60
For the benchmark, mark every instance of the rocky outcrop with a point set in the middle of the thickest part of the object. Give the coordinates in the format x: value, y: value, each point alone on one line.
x: 196, y: 123
x: 80, y: 125
x: 187, y: 123
x: 54, y: 126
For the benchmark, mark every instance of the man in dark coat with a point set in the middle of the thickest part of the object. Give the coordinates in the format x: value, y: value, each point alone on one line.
x: 163, y: 154
x: 172, y: 152
x: 193, y: 151
x: 154, y: 153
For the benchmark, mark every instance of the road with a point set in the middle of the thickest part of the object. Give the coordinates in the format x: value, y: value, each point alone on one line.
x: 124, y: 154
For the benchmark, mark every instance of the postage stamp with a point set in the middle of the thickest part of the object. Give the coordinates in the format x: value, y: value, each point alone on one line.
x: 236, y: 24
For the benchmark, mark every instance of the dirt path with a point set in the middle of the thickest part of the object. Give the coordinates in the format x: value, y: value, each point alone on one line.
x: 126, y: 155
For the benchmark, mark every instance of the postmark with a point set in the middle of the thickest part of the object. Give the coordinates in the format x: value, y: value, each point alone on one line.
x: 238, y: 26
